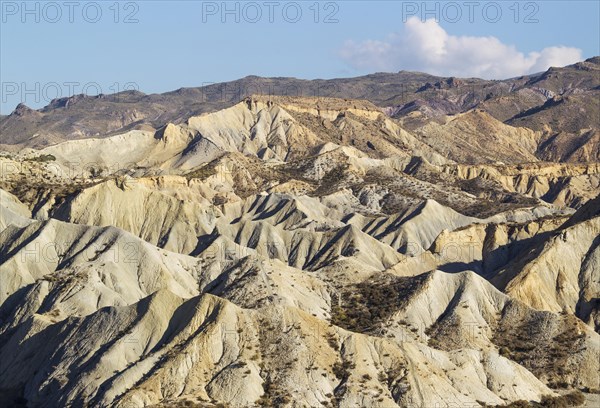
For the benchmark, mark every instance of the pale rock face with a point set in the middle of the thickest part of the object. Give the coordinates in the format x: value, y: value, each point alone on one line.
x: 415, y: 229
x: 13, y: 211
x: 478, y: 133
x: 557, y: 183
x: 552, y: 280
x: 298, y: 252
x: 175, y: 224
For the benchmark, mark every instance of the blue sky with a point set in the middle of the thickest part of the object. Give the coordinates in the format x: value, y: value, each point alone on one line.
x: 168, y: 45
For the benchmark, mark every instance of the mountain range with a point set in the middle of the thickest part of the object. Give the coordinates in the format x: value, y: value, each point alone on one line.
x: 392, y: 240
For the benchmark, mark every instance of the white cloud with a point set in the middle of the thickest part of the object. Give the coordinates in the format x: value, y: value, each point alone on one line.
x: 426, y: 46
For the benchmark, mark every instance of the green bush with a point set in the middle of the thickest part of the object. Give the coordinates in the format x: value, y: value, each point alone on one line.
x: 42, y: 158
x: 342, y: 370
x: 573, y: 399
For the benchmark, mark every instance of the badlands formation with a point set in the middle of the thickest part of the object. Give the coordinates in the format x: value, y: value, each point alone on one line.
x: 305, y: 252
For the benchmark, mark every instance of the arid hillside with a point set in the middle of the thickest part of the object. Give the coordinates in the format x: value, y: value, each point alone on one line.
x: 301, y: 251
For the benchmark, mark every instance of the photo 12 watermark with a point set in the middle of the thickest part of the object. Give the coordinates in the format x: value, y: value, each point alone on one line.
x: 238, y: 90
x: 54, y: 12
x: 59, y: 171
x: 253, y: 12
x: 472, y: 11
x: 54, y: 252
x: 46, y: 92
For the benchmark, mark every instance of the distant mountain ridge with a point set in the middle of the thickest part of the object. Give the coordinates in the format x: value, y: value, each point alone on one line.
x: 562, y: 103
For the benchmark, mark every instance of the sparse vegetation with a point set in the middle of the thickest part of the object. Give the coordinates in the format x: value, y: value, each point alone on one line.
x: 274, y: 395
x: 364, y: 306
x: 547, y: 358
x: 42, y: 158
x: 203, y: 172
x: 342, y: 369
x: 572, y: 399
